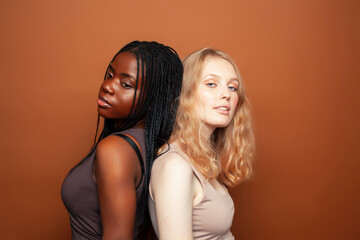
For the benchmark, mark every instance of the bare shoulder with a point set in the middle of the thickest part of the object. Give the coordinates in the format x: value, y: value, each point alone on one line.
x: 110, y: 142
x: 113, y: 153
x: 172, y: 190
x: 170, y: 173
x: 114, y: 145
x: 171, y: 163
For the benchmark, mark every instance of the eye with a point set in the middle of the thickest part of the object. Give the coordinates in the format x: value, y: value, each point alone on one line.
x: 232, y: 88
x: 108, y: 75
x: 210, y: 84
x: 125, y: 85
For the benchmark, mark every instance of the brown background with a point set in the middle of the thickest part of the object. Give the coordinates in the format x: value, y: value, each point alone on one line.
x: 300, y: 63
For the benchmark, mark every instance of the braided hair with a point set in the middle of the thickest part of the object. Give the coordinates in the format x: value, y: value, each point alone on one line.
x: 161, y: 74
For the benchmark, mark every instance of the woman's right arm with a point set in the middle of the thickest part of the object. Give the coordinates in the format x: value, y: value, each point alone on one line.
x: 172, y: 187
x: 117, y: 168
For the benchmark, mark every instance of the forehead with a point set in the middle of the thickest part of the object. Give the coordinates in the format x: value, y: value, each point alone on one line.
x: 125, y: 62
x: 219, y: 66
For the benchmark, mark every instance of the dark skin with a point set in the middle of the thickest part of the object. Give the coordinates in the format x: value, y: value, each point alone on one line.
x: 117, y: 168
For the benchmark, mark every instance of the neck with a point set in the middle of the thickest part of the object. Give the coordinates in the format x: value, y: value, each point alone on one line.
x: 139, y: 124
x: 206, y: 131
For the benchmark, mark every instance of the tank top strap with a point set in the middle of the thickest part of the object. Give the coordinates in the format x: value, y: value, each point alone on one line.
x: 138, y: 136
x: 198, y: 175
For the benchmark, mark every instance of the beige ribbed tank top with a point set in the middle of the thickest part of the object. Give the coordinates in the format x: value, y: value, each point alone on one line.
x: 212, y: 216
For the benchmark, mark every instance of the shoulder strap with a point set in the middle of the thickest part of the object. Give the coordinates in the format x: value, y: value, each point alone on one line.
x: 197, y: 174
x: 136, y: 149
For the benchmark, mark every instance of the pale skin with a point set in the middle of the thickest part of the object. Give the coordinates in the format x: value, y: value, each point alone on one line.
x: 173, y: 185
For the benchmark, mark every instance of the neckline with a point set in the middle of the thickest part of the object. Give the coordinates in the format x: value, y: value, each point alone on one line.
x: 226, y: 192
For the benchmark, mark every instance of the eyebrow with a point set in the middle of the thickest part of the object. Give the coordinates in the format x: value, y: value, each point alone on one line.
x: 212, y: 75
x: 217, y: 76
x: 127, y: 75
x: 123, y: 74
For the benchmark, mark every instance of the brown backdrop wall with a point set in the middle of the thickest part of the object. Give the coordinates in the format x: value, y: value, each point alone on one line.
x: 299, y: 60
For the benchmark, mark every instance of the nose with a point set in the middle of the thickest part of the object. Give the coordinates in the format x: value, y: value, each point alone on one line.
x: 225, y: 93
x: 107, y: 87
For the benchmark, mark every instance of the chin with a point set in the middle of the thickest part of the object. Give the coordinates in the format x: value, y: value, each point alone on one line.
x: 220, y: 125
x: 103, y: 113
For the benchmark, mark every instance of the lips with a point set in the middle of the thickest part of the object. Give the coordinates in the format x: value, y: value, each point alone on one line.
x: 103, y: 103
x: 223, y: 110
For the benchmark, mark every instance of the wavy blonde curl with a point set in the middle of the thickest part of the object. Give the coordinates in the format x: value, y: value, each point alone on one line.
x: 228, y: 155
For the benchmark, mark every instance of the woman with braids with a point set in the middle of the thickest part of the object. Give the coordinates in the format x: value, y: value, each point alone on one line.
x: 106, y: 193
x: 211, y: 148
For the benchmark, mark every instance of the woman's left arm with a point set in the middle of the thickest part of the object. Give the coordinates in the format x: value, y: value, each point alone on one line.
x: 117, y: 169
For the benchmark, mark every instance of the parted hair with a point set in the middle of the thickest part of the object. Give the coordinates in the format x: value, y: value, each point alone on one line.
x: 228, y: 154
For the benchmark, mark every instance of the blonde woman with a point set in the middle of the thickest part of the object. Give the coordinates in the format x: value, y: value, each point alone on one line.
x: 211, y: 148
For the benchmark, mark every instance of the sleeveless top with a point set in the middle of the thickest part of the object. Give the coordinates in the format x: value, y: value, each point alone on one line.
x: 212, y: 216
x: 80, y: 196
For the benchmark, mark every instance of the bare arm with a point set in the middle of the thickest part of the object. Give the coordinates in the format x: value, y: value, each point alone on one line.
x: 172, y: 185
x: 117, y: 169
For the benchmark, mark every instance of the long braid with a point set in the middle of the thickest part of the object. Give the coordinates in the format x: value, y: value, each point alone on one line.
x: 164, y: 68
x: 161, y: 73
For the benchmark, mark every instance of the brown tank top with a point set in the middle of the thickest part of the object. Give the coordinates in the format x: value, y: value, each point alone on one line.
x: 212, y: 216
x: 80, y: 196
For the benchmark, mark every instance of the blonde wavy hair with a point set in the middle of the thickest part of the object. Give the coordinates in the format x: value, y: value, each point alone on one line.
x: 228, y: 155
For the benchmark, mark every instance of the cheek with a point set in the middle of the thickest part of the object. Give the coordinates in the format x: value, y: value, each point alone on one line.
x: 125, y: 101
x: 198, y: 106
x: 234, y: 101
x: 203, y: 99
